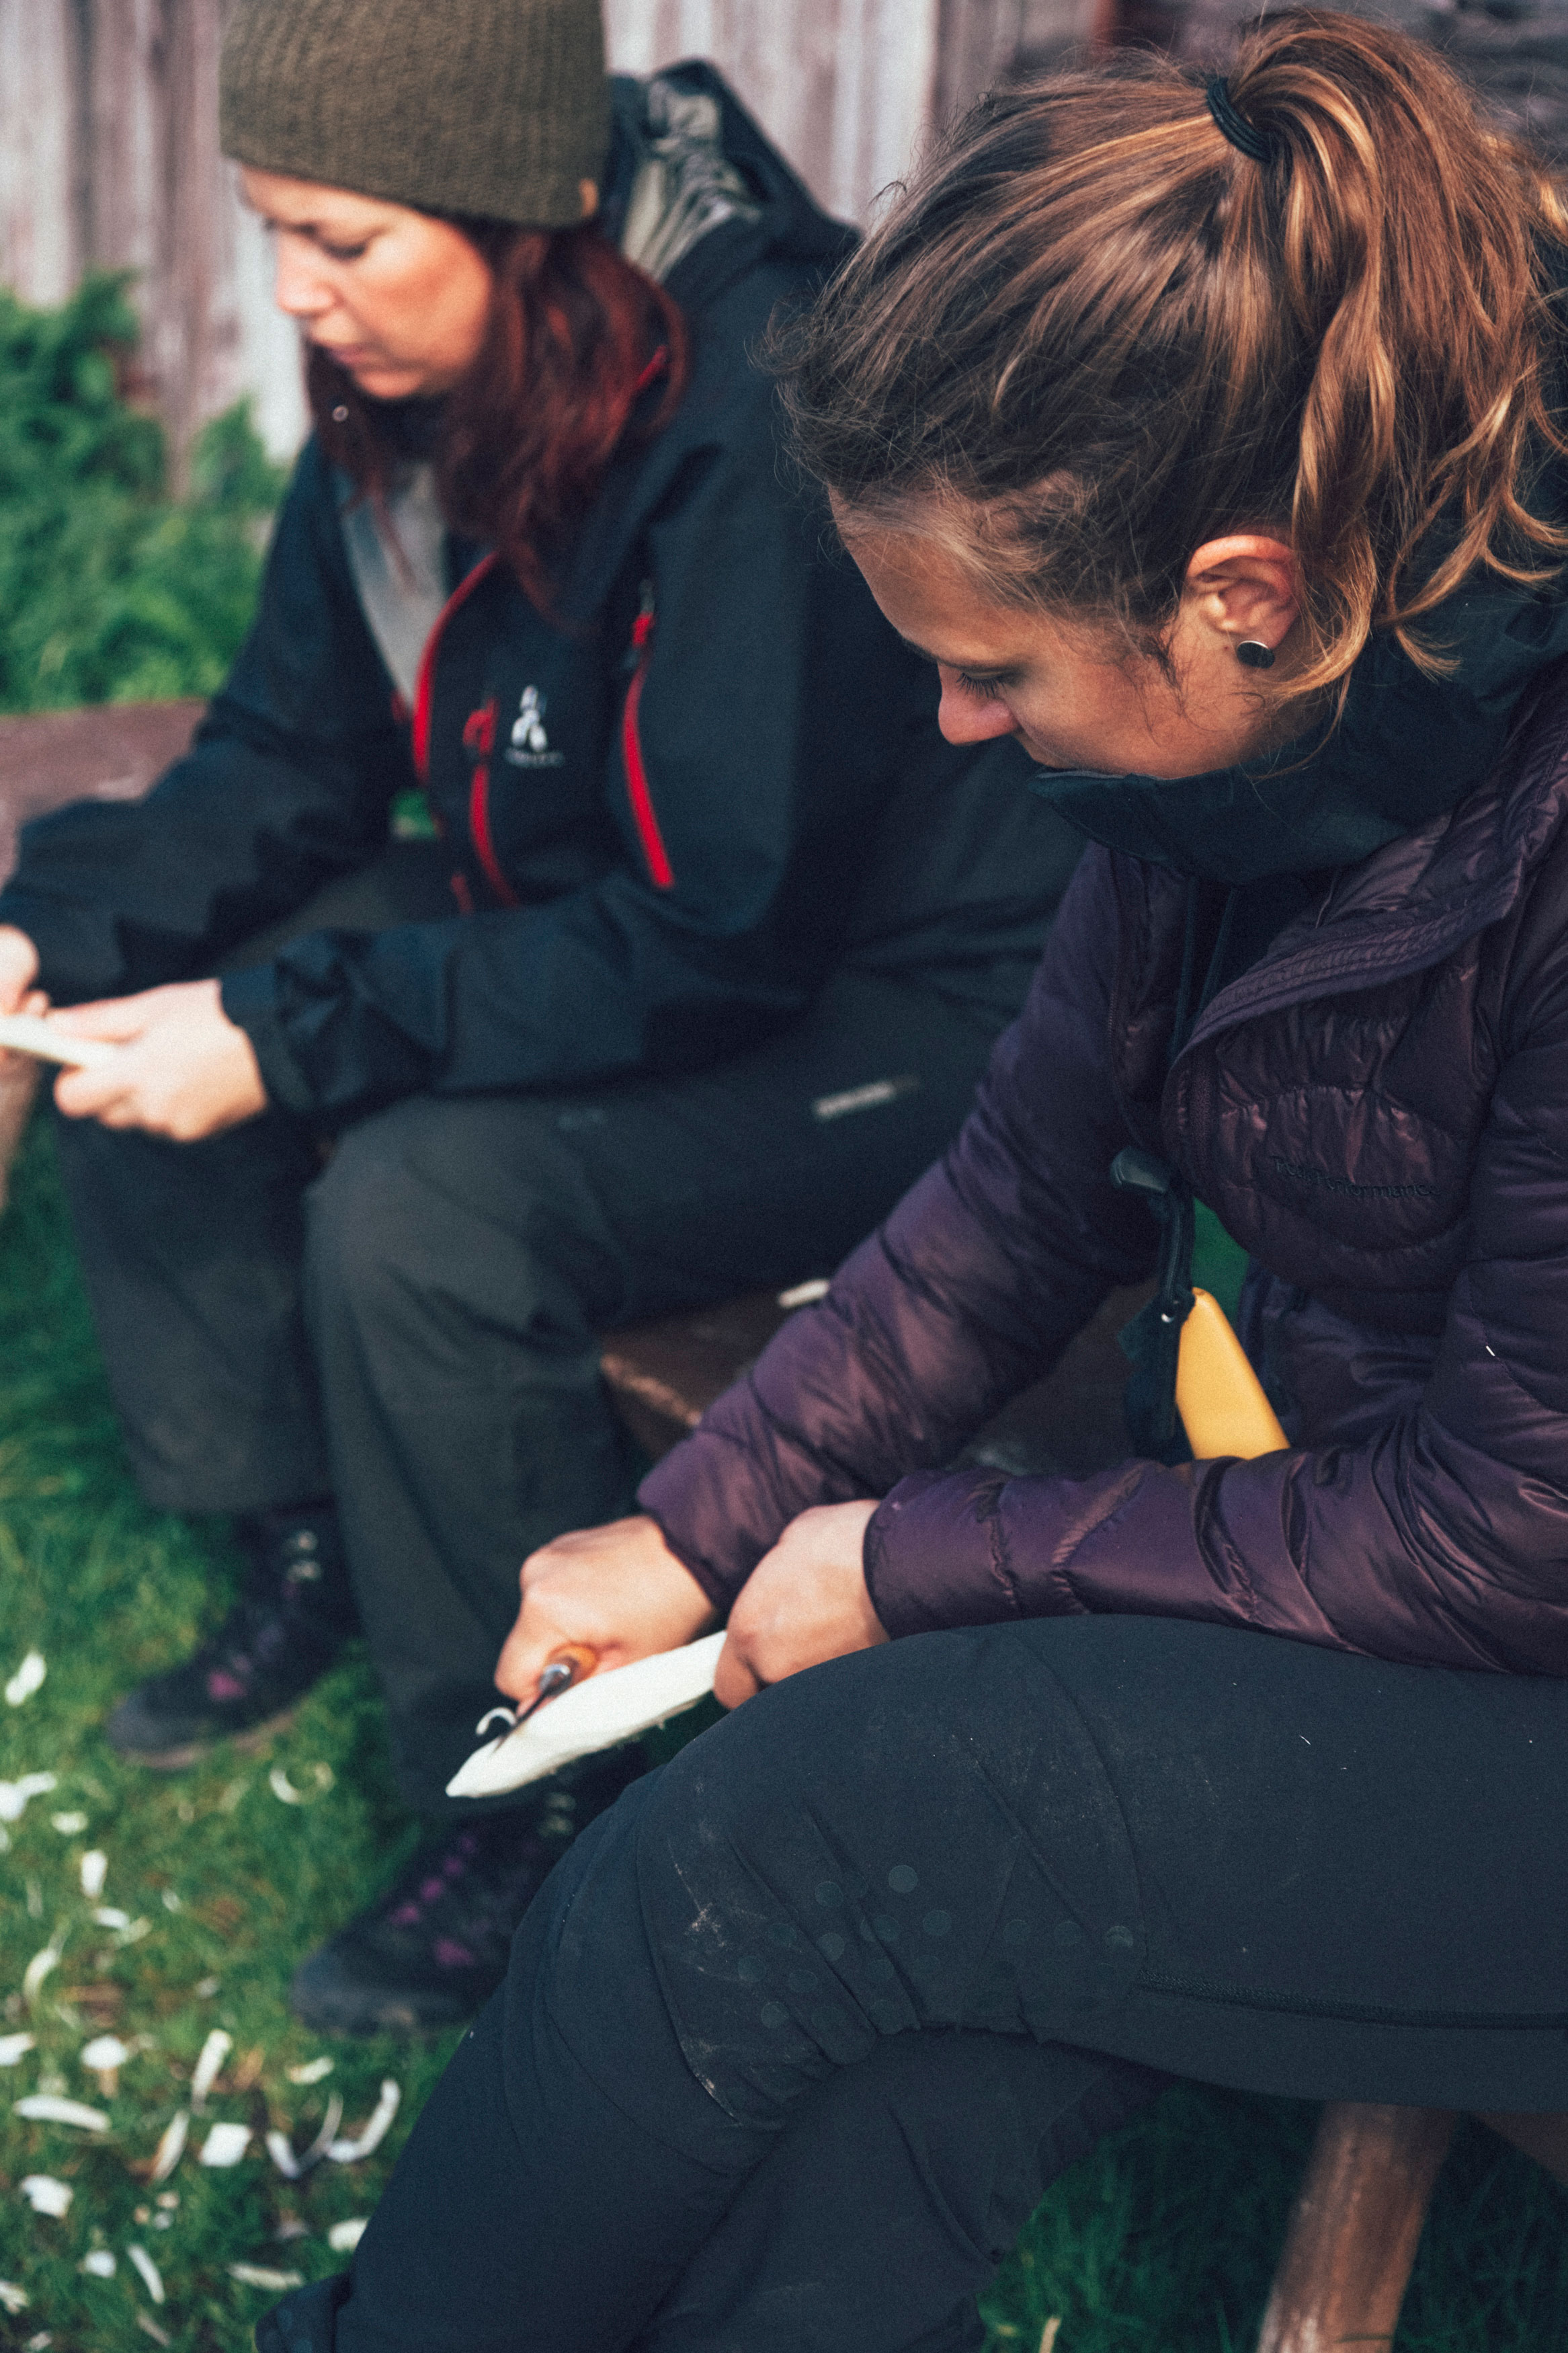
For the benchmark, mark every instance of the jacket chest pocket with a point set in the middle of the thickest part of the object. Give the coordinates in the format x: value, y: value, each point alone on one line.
x: 1338, y: 1142
x: 535, y: 753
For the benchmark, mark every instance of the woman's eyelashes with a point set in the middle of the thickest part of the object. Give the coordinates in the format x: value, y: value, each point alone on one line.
x: 984, y: 688
x: 333, y: 252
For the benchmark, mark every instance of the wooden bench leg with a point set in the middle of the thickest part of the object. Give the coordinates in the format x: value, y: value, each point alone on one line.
x: 1354, y: 2228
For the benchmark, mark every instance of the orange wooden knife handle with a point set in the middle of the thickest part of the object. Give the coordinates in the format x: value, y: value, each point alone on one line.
x: 578, y: 1657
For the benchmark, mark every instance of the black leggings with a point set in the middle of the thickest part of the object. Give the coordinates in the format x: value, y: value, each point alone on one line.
x: 797, y: 2035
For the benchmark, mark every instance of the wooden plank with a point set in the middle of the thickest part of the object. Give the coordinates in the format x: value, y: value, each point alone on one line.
x: 665, y: 1375
x: 112, y: 752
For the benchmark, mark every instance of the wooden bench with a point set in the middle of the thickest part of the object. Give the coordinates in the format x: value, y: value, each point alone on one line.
x: 1358, y: 2217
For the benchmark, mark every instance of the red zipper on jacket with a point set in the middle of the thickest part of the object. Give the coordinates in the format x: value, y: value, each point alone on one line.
x: 661, y: 874
x: 424, y: 692
x: 480, y: 737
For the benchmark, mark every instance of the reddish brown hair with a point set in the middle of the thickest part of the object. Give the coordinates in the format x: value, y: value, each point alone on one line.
x: 584, y: 356
x: 1093, y: 335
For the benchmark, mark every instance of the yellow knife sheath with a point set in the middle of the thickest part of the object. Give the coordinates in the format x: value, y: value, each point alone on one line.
x: 1218, y: 1396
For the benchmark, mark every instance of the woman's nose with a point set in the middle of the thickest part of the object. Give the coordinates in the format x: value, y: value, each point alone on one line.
x: 965, y: 717
x: 298, y: 285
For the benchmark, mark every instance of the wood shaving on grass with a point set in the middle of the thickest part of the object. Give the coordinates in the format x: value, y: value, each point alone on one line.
x: 151, y: 2277
x: 261, y: 2276
x: 45, y: 2108
x: 45, y: 2195
x: 280, y: 2148
x: 210, y: 2067
x: 172, y: 2146
x: 28, y: 1679
x: 225, y: 2145
x: 350, y: 2152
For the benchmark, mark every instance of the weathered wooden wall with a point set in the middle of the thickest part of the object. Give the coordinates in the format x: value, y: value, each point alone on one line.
x: 109, y: 149
x: 109, y: 158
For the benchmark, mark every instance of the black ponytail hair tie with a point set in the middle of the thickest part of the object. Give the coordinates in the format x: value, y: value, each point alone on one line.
x: 1235, y: 126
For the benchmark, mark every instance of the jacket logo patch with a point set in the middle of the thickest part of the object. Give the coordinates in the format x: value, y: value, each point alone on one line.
x: 1303, y: 1174
x: 529, y: 746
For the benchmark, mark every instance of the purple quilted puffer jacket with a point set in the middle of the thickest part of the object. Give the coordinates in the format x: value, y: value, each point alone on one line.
x: 1378, y: 1111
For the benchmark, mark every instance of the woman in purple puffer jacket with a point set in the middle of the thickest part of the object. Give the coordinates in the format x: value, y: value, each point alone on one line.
x: 1207, y: 441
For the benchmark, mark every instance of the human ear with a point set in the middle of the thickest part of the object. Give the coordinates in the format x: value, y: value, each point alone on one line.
x: 1244, y: 588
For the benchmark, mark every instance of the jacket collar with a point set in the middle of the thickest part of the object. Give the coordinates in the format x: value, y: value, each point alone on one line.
x: 1414, y: 903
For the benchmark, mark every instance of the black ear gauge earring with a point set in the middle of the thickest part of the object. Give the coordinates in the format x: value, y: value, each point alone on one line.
x: 1252, y: 655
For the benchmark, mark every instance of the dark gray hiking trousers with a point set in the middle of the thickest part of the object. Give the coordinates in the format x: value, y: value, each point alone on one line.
x: 414, y: 1328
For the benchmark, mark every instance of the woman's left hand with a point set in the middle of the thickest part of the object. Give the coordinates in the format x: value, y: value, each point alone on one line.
x: 185, y: 1070
x: 803, y: 1602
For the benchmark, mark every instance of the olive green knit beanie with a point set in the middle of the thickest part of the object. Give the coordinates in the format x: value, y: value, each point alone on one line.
x: 493, y: 106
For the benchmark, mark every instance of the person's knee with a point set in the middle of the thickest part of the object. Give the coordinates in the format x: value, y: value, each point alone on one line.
x: 448, y: 1215
x: 362, y: 1214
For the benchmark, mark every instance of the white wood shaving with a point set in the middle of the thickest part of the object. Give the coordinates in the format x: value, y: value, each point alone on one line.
x: 37, y: 1969
x: 27, y: 1680
x: 345, y: 2237
x: 312, y: 2071
x: 152, y: 2278
x: 280, y: 2148
x: 100, y: 2265
x: 14, y: 1795
x: 210, y: 2067
x: 171, y: 2146
x: 45, y: 2195
x: 94, y: 1872
x: 44, y: 2108
x: 349, y: 2152
x: 105, y: 2051
x: 225, y: 2144
x: 259, y: 2276
x: 15, y: 2046
x: 12, y: 2297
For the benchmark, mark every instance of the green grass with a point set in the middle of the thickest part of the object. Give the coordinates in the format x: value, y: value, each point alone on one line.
x: 109, y: 1591
x: 1162, y: 2242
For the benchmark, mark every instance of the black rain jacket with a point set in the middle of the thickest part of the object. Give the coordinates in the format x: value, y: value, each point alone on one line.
x: 670, y: 811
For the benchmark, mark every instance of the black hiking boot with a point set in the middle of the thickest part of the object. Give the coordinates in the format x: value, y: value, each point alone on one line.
x: 291, y: 1620
x: 432, y: 1949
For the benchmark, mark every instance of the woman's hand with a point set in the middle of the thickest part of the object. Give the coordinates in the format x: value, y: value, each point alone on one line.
x: 805, y: 1601
x: 18, y: 971
x: 186, y: 1070
x: 618, y: 1589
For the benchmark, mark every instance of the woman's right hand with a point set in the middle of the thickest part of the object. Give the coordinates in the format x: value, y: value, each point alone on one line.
x: 618, y: 1590
x: 18, y: 971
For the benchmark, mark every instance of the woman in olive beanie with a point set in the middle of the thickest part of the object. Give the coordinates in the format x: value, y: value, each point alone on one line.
x: 698, y: 970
